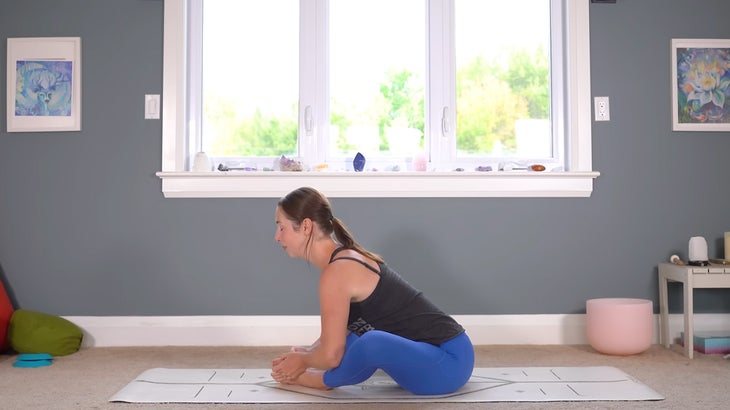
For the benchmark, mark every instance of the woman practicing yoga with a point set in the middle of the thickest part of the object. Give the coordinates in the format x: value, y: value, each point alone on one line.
x: 371, y: 318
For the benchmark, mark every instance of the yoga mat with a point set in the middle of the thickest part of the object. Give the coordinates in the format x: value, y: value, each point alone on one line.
x: 505, y: 384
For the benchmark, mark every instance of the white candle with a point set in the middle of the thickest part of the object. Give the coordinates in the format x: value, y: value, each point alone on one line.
x: 727, y: 245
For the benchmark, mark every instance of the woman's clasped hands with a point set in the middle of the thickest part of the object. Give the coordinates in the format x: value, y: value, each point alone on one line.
x: 287, y: 367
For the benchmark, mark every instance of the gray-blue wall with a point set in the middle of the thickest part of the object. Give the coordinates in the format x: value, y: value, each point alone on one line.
x: 85, y: 230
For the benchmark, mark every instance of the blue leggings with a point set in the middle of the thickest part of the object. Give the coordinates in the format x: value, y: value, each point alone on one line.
x: 418, y: 367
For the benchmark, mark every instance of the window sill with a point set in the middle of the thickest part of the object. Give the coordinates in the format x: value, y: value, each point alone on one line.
x: 260, y: 184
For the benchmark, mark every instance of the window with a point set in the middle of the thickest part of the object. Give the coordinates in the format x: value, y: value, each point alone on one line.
x: 401, y: 81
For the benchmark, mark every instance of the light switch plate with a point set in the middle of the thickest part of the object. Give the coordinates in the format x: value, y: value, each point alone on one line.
x: 152, y: 106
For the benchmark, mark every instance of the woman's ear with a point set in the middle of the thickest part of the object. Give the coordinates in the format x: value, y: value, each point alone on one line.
x: 307, y: 225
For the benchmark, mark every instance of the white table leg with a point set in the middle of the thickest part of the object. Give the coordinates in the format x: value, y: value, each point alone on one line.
x: 688, y: 313
x: 663, y: 311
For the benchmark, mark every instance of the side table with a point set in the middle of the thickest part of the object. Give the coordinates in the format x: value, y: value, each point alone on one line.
x: 691, y: 277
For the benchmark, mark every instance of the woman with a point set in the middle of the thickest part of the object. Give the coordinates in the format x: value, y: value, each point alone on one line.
x: 370, y: 317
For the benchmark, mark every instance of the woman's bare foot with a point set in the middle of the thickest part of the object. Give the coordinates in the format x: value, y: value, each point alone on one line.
x: 314, y: 379
x: 310, y: 378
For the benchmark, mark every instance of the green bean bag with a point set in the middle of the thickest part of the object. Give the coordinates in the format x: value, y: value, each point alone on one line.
x: 35, y: 332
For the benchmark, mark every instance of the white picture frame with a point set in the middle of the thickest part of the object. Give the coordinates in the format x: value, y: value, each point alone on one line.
x: 700, y: 84
x: 44, y: 84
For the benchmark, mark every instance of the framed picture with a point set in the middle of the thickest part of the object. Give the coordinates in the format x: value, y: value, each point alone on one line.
x: 700, y: 85
x: 44, y: 84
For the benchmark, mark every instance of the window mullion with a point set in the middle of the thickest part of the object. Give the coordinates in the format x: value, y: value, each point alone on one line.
x: 558, y: 81
x: 313, y: 84
x: 441, y: 94
x: 195, y: 81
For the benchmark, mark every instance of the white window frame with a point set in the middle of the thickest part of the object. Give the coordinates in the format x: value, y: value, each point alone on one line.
x: 575, y: 181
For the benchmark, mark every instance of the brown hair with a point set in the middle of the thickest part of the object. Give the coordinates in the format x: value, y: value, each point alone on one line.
x: 309, y: 203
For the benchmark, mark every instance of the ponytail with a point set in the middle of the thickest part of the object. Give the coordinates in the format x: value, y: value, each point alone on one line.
x: 344, y: 237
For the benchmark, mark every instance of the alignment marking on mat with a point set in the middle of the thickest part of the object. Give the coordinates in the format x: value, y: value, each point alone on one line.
x: 571, y: 388
x: 198, y: 393
x: 496, y: 379
x: 499, y: 384
x: 204, y: 384
x: 554, y: 374
x: 362, y: 388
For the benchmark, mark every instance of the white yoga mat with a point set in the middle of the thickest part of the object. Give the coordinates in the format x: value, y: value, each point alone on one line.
x: 530, y: 384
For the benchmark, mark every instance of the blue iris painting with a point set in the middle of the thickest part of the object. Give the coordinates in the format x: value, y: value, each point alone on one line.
x: 703, y: 85
x: 43, y: 88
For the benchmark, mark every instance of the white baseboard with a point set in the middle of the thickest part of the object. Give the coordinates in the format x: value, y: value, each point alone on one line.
x: 104, y: 331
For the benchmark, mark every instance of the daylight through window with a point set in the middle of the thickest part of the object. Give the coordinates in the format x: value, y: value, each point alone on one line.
x: 441, y: 86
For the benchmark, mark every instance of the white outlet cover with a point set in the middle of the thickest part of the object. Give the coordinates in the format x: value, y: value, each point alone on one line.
x: 602, y: 109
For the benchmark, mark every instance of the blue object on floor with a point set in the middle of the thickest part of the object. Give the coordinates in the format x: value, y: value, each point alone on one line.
x: 30, y: 360
x: 26, y: 357
x: 33, y: 363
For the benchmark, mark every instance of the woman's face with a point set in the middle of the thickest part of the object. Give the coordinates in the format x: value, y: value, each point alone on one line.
x: 292, y: 240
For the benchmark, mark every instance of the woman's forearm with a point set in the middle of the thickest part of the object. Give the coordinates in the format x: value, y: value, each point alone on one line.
x: 322, y: 358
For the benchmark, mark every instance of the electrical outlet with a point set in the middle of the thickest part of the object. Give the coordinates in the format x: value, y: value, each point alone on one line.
x: 602, y: 110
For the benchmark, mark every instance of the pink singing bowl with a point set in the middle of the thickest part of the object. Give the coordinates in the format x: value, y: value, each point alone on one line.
x: 620, y: 326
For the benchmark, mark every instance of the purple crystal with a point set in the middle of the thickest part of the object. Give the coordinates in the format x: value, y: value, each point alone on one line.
x: 359, y: 162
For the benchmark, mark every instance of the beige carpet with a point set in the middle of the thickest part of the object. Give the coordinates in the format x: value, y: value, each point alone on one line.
x: 87, y: 379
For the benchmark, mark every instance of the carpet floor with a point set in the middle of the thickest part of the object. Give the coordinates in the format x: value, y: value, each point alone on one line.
x: 89, y: 378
